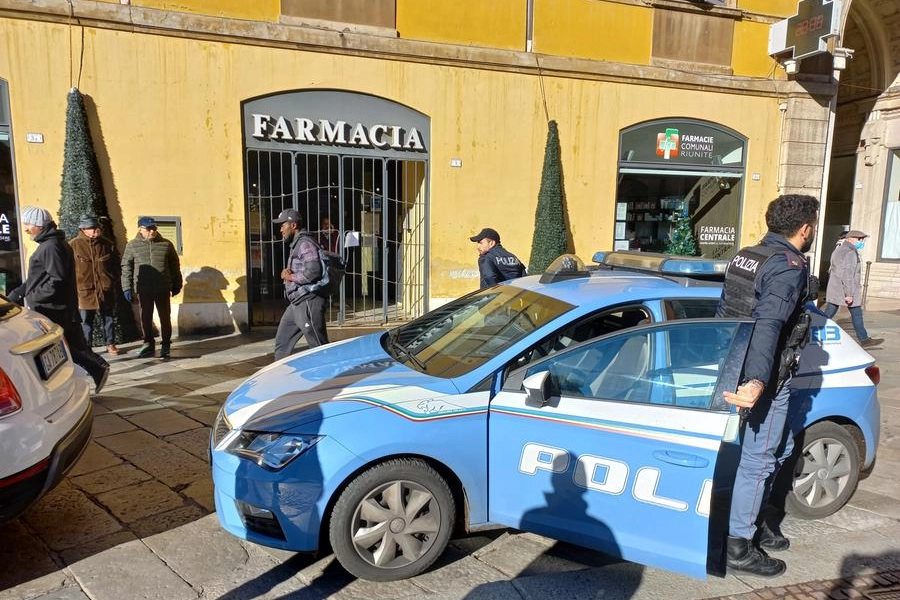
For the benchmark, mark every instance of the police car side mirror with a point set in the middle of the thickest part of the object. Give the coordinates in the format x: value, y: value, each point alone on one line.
x: 538, y: 389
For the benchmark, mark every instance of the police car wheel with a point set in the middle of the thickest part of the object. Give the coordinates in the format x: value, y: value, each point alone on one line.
x: 393, y: 521
x: 826, y: 473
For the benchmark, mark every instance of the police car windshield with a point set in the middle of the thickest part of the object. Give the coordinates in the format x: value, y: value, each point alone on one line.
x: 461, y: 336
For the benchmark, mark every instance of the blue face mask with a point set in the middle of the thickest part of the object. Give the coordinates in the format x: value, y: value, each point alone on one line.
x: 860, y: 245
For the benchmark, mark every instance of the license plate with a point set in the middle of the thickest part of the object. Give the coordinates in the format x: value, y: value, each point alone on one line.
x: 50, y: 359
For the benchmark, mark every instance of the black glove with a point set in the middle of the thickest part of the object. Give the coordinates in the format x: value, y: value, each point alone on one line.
x: 175, y: 290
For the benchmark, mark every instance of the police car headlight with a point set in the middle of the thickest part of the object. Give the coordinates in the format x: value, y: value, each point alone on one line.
x: 271, y: 451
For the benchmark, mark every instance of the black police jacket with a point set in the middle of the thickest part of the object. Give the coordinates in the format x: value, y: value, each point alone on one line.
x: 498, y: 264
x: 780, y: 290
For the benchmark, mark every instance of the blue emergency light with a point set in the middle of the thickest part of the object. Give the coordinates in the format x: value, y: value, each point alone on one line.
x: 662, y: 264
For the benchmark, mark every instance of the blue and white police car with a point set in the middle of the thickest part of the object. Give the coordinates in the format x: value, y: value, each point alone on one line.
x: 582, y: 405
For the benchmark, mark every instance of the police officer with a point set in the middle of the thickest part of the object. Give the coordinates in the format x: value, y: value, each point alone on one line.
x: 769, y: 283
x: 495, y: 263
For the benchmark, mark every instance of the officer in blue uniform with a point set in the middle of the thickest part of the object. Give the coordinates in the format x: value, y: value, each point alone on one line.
x: 769, y: 283
x: 495, y: 263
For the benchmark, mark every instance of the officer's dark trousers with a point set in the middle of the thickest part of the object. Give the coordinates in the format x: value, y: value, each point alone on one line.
x: 163, y: 302
x: 82, y: 355
x: 765, y: 446
x: 305, y: 319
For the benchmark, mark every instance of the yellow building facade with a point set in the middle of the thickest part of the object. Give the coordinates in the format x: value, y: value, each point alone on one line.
x: 399, y: 128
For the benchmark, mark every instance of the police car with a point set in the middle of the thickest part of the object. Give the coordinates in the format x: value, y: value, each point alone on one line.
x: 582, y: 404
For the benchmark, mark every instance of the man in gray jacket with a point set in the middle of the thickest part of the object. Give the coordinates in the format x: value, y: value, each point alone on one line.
x: 843, y: 285
x: 151, y: 274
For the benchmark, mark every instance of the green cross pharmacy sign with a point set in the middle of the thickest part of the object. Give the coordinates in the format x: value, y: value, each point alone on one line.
x: 806, y: 33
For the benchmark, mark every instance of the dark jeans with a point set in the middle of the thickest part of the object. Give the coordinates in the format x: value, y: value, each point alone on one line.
x: 147, y: 299
x: 106, y: 315
x: 82, y: 355
x: 304, y: 319
x: 856, y: 316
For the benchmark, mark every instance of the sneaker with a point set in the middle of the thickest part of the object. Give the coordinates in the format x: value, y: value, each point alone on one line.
x: 869, y: 342
x: 165, y: 350
x: 112, y: 350
x: 147, y: 351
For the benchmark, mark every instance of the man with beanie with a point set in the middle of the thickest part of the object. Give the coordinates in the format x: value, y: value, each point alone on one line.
x: 305, y: 313
x: 495, y: 263
x: 151, y: 274
x: 96, y: 275
x: 50, y: 289
x: 843, y: 285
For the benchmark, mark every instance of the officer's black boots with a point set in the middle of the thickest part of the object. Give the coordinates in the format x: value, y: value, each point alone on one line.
x: 744, y: 557
x: 769, y: 539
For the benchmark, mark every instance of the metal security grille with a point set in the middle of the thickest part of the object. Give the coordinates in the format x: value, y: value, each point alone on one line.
x: 370, y: 210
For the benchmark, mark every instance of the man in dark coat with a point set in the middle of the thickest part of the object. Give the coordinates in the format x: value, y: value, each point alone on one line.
x: 495, y: 263
x: 50, y: 288
x: 96, y: 275
x: 151, y: 274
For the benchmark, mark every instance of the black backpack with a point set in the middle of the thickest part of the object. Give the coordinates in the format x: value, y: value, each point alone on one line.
x: 333, y: 268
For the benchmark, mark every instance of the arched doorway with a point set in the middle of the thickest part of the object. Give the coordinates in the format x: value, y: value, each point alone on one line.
x: 864, y: 180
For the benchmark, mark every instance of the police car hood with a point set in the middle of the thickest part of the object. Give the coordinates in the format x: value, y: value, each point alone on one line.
x: 322, y: 382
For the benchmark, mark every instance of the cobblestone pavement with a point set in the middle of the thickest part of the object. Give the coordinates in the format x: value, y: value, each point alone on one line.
x: 134, y: 518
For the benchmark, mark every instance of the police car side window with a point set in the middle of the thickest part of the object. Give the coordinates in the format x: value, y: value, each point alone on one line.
x: 582, y: 330
x: 690, y: 308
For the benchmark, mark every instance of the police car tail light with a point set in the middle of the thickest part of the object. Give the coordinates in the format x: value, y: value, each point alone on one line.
x: 10, y: 401
x: 874, y: 374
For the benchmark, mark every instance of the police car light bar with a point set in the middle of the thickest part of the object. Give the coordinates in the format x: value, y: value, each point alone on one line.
x: 664, y: 264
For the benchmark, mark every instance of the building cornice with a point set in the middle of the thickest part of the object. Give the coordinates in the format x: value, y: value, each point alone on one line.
x: 353, y: 42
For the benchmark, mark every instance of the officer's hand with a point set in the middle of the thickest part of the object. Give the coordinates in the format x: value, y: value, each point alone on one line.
x: 746, y: 394
x: 128, y: 295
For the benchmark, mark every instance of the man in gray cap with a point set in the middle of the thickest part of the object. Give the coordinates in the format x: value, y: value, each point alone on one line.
x: 50, y: 288
x: 843, y: 285
x: 495, y: 263
x: 305, y: 313
x: 96, y: 274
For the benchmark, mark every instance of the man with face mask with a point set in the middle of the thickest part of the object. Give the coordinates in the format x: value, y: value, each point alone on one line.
x: 768, y: 282
x: 843, y: 285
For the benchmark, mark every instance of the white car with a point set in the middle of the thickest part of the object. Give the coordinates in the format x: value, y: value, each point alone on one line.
x: 45, y: 408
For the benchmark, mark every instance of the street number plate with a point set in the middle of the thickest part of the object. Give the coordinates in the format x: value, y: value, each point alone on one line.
x: 50, y: 359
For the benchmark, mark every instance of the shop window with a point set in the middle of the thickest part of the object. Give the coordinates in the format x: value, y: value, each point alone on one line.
x: 374, y: 13
x: 170, y: 228
x: 890, y: 241
x: 691, y: 36
x: 10, y: 250
x: 677, y: 172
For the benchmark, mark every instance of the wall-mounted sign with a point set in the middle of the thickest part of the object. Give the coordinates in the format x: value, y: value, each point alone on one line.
x: 681, y: 142
x: 34, y: 138
x: 335, y: 121
x: 806, y: 33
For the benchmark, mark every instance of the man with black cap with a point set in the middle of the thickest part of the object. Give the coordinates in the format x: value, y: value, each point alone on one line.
x: 495, y: 263
x: 843, y: 285
x: 96, y: 272
x: 151, y: 274
x: 305, y: 313
x: 50, y: 288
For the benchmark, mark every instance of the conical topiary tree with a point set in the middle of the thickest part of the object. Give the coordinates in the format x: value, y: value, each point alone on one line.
x: 549, y: 239
x: 82, y: 193
x: 82, y: 188
x: 682, y: 242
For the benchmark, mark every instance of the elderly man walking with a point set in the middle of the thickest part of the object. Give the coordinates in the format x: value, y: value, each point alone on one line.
x: 96, y: 274
x: 151, y: 274
x: 50, y: 288
x: 843, y: 285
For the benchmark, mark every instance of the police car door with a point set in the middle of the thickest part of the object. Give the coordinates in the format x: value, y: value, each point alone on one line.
x: 612, y: 444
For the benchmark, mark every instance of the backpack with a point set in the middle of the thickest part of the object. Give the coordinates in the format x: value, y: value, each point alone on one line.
x: 333, y: 269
